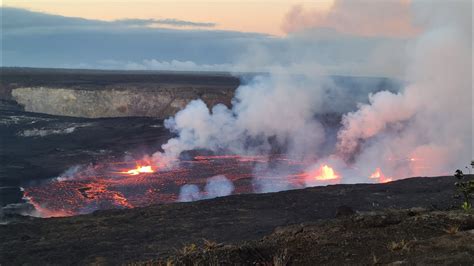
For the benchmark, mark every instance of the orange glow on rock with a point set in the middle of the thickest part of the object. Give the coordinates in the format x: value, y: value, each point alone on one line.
x: 381, y: 178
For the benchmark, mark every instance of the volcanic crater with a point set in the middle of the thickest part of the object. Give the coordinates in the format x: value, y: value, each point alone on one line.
x: 92, y: 170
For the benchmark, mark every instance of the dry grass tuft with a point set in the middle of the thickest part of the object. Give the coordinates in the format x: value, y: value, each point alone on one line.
x: 398, y: 246
x: 375, y: 260
x: 452, y: 230
x: 187, y: 249
x: 209, y: 245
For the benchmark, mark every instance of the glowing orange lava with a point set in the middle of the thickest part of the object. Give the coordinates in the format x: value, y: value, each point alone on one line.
x: 381, y: 178
x: 140, y: 170
x: 323, y: 175
x: 326, y: 173
x: 111, y: 185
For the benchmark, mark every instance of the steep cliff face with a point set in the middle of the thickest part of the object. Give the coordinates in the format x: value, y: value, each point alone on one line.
x: 98, y: 93
x: 159, y: 103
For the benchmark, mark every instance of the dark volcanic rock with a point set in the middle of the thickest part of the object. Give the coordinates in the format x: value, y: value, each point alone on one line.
x: 344, y: 211
x: 427, y: 238
x: 141, y: 234
x: 35, y: 147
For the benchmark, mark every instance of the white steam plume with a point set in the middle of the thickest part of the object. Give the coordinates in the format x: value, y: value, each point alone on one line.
x: 216, y: 186
x: 278, y: 107
x: 426, y: 129
x: 189, y: 193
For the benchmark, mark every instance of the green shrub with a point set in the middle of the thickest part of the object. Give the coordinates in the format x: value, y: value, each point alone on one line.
x: 466, y: 188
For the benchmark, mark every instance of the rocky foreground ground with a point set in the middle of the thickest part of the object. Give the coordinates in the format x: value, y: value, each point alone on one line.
x: 410, y: 221
x: 414, y: 236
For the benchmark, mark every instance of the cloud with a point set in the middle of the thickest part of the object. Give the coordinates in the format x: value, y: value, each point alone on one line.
x: 21, y: 19
x: 391, y: 18
x: 42, y: 40
x: 167, y: 21
x: 17, y: 19
x: 154, y: 64
x: 37, y: 39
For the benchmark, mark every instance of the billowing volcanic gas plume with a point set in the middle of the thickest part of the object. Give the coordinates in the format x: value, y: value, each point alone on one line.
x: 274, y: 136
x: 424, y: 129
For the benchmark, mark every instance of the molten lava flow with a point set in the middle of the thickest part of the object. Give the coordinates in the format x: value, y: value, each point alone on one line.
x: 381, y: 178
x: 140, y: 170
x: 125, y: 185
x: 40, y: 211
x: 326, y: 173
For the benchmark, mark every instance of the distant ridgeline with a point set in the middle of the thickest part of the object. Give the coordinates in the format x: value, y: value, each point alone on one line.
x: 101, y: 93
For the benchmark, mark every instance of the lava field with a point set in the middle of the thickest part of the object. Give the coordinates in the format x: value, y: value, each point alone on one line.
x: 85, y: 189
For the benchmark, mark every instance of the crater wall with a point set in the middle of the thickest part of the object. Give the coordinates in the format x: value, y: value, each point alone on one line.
x: 98, y: 93
x: 160, y: 103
